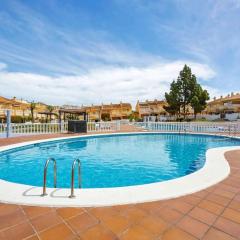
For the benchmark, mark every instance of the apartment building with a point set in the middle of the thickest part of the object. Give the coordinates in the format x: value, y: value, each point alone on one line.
x: 227, y: 107
x: 18, y: 108
x: 151, y: 110
x: 109, y: 111
x: 22, y: 108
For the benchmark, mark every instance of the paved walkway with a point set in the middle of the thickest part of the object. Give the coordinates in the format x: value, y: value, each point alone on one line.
x: 212, y: 214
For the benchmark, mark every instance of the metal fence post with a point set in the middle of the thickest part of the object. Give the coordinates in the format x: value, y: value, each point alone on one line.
x: 9, y: 127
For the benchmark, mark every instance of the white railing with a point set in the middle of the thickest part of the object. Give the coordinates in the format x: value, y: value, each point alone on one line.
x: 232, y: 116
x: 41, y: 128
x: 103, y: 126
x: 34, y: 128
x: 209, y: 117
x: 3, y: 127
x: 208, y: 127
x: 204, y: 127
x: 124, y: 121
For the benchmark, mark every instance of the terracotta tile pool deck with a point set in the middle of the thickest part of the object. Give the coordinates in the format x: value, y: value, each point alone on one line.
x: 211, y: 214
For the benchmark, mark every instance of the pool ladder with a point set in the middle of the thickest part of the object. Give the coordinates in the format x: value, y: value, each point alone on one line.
x: 45, y: 175
x: 72, y: 177
x: 55, y: 176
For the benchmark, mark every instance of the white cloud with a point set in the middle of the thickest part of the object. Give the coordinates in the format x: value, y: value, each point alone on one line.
x: 214, y: 92
x: 82, y: 66
x: 2, y: 66
x: 109, y: 84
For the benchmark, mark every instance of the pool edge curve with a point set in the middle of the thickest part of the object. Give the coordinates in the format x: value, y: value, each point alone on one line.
x: 215, y: 169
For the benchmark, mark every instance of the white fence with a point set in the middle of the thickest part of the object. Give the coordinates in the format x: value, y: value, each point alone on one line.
x: 232, y: 116
x: 103, y: 126
x: 3, y: 128
x: 33, y: 128
x: 205, y: 127
x: 38, y: 128
x: 41, y: 128
x: 209, y: 117
x: 229, y: 128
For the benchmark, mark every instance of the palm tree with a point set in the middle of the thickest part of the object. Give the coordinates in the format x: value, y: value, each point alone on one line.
x: 50, y: 110
x: 32, y: 108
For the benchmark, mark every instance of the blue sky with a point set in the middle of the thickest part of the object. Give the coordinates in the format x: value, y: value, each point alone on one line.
x: 88, y: 52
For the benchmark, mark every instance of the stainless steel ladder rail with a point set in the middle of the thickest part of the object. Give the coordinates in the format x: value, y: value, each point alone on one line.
x: 72, y: 177
x: 45, y: 175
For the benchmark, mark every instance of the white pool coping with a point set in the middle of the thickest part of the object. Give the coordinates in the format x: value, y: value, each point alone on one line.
x: 215, y: 169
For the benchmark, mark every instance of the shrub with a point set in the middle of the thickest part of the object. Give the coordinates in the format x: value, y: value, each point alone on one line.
x: 17, y: 119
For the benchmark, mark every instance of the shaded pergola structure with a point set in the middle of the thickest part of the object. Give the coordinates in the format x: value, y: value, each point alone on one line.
x: 47, y: 114
x: 73, y: 113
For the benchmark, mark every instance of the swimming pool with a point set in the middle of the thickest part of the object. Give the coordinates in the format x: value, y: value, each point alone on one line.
x: 112, y: 160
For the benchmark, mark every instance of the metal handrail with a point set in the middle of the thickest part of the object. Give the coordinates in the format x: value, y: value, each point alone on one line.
x: 45, y: 175
x: 72, y: 178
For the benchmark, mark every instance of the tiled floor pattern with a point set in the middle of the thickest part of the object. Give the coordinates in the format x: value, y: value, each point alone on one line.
x: 212, y: 214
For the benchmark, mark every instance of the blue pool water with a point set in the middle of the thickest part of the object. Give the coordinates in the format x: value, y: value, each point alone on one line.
x: 111, y: 161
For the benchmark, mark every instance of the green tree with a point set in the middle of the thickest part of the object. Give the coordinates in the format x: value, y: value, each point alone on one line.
x: 32, y: 108
x: 106, y: 117
x: 199, y: 100
x: 133, y: 116
x: 173, y: 99
x: 186, y: 85
x: 186, y: 92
